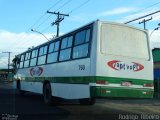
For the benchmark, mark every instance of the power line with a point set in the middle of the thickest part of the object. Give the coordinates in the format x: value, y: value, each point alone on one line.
x: 50, y: 15
x: 142, y: 17
x: 149, y: 6
x: 45, y: 13
x: 28, y: 30
x: 43, y: 22
x: 54, y: 4
x: 144, y: 8
x: 63, y: 5
x: 79, y: 6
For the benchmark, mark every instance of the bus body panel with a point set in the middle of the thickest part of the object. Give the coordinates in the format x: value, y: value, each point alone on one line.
x: 99, y: 75
x: 122, y: 76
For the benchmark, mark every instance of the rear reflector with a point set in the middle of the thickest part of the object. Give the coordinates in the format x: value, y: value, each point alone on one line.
x: 101, y: 82
x: 148, y: 85
x: 105, y: 91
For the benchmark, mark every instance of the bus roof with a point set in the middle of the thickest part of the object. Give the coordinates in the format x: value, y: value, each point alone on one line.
x: 93, y: 22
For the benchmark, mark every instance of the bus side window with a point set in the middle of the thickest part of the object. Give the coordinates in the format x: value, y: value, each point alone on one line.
x: 65, y: 53
x: 81, y: 46
x: 27, y: 59
x: 21, y: 61
x: 53, y: 52
x: 42, y: 55
x: 34, y: 57
x: 80, y: 51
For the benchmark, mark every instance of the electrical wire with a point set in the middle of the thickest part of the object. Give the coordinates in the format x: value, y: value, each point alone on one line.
x: 149, y: 6
x: 144, y: 9
x: 45, y: 13
x: 50, y: 15
x: 63, y: 5
x: 28, y: 30
x: 74, y: 9
x: 79, y: 6
x: 26, y: 35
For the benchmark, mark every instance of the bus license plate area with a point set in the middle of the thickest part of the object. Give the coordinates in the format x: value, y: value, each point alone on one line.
x: 126, y: 83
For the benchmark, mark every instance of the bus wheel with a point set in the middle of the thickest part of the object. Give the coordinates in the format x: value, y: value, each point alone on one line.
x: 47, y: 94
x: 87, y: 101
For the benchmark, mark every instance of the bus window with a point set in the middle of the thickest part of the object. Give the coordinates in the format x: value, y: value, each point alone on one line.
x: 51, y: 47
x: 21, y: 61
x: 56, y: 46
x: 52, y: 57
x: 64, y: 43
x: 34, y: 57
x: 53, y: 52
x: 80, y: 37
x: 27, y: 59
x: 42, y: 55
x: 65, y: 53
x: 70, y: 41
x: 87, y: 35
x: 80, y: 49
x: 34, y: 53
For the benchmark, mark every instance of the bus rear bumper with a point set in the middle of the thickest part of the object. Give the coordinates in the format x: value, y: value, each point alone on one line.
x: 99, y: 91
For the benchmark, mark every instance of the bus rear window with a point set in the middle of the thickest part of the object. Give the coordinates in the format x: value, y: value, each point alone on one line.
x: 124, y: 41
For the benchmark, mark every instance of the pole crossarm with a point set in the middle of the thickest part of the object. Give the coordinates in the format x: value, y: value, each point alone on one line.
x: 144, y: 22
x: 60, y: 18
x: 142, y: 17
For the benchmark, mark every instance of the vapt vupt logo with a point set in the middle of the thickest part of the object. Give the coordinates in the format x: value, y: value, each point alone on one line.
x: 9, y: 117
x: 120, y: 65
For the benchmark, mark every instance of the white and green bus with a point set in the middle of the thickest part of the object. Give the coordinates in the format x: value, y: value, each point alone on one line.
x: 98, y: 60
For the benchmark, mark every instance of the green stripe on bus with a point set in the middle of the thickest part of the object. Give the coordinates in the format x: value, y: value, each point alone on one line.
x: 87, y: 80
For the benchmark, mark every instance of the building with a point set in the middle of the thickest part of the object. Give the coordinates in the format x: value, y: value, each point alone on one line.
x: 5, y: 74
x: 156, y: 60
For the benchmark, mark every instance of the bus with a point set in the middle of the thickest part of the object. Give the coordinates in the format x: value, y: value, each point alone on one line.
x: 99, y: 60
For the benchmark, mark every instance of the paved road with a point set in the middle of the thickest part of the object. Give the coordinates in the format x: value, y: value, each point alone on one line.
x: 31, y: 107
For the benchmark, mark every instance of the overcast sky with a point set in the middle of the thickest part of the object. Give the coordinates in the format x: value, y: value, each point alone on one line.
x: 19, y: 16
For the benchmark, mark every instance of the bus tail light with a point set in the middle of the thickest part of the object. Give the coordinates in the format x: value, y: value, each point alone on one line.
x: 102, y: 82
x: 148, y: 85
x: 105, y: 91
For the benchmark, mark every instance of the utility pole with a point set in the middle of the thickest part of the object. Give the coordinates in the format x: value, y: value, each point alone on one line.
x: 142, y: 17
x: 9, y: 56
x: 144, y: 22
x: 60, y: 17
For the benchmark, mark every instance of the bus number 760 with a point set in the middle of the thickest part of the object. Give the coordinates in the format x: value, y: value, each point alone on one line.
x: 81, y: 67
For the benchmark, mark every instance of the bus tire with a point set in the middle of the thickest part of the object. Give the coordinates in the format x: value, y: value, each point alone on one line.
x: 47, y: 94
x: 87, y: 101
x: 20, y: 92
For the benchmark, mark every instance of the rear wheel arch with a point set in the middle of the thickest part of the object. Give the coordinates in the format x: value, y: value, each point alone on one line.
x: 47, y: 92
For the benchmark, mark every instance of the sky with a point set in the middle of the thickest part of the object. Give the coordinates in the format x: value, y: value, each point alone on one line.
x: 18, y: 17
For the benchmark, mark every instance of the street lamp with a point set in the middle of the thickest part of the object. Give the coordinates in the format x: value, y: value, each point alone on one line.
x: 40, y: 33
